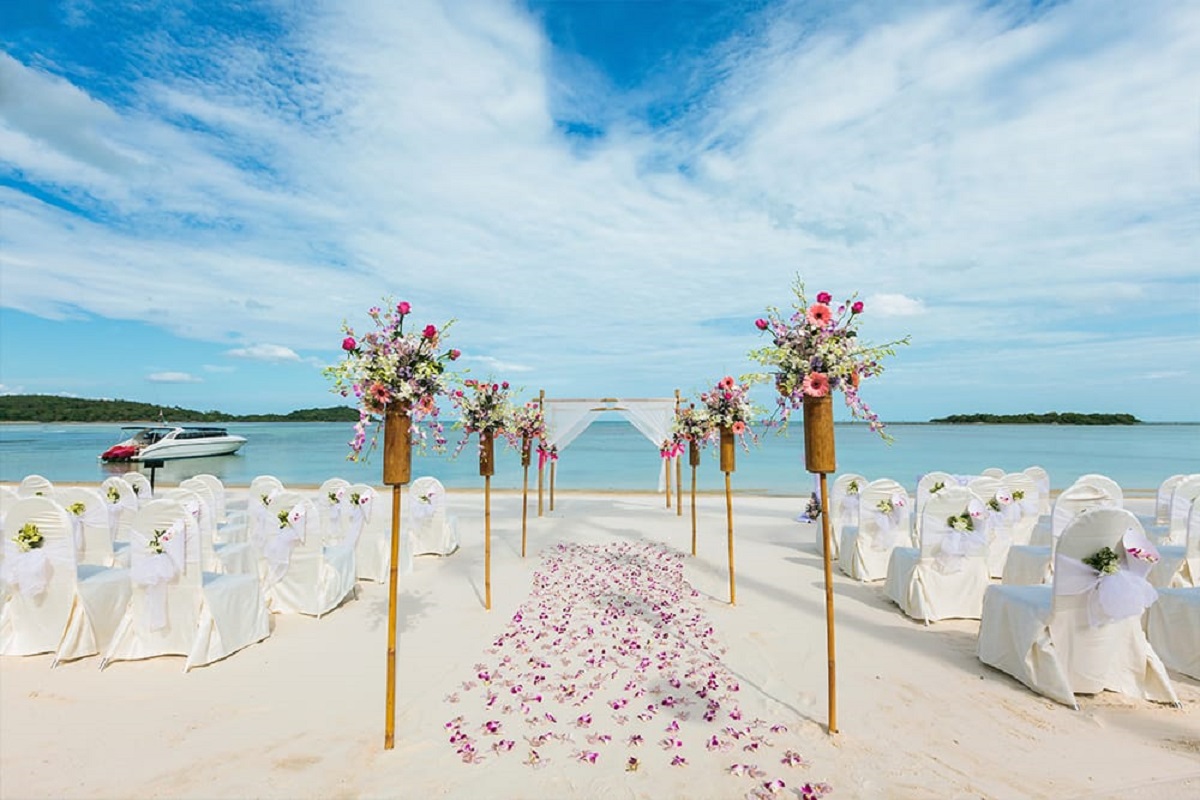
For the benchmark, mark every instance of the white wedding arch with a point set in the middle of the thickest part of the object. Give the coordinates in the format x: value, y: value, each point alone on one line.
x: 567, y: 418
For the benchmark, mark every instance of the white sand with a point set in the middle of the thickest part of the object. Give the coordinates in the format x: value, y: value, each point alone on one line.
x: 301, y: 714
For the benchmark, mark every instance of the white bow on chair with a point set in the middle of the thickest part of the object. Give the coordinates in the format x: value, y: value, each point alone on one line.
x: 1112, y: 596
x: 278, y: 548
x: 890, y: 533
x: 154, y: 570
x: 30, y: 570
x: 90, y: 516
x: 360, y: 513
x: 123, y: 502
x: 958, y: 544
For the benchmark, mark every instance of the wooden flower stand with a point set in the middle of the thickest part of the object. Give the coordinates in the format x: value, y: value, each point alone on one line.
x: 819, y: 457
x: 397, y: 471
x: 487, y: 468
x: 728, y: 465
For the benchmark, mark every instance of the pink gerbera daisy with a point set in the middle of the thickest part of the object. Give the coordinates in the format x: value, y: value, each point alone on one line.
x: 381, y: 394
x: 739, y: 428
x: 726, y: 383
x: 819, y: 315
x: 816, y: 384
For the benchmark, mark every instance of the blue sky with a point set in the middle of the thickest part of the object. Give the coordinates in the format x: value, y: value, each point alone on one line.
x: 604, y: 195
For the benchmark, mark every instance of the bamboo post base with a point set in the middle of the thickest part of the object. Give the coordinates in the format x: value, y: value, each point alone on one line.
x: 678, y: 486
x: 389, y: 724
x: 829, y: 640
x: 553, y: 469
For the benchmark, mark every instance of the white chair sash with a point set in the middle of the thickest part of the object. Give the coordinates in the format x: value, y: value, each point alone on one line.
x: 334, y: 500
x: 1119, y: 595
x: 154, y: 571
x: 89, y: 516
x: 260, y: 517
x: 360, y: 514
x: 426, y: 505
x: 29, y: 571
x: 889, y: 531
x: 850, y: 509
x: 278, y: 548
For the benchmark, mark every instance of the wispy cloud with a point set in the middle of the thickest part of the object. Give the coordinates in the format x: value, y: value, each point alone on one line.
x: 173, y: 377
x: 265, y: 352
x: 498, y: 366
x: 219, y: 368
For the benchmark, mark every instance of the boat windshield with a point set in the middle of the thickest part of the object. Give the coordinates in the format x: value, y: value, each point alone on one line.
x: 147, y: 436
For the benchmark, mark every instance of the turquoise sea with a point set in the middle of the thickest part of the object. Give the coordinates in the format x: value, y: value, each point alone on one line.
x: 612, y: 455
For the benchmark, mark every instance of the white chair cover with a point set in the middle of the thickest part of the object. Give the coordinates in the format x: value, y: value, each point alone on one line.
x: 217, y: 488
x: 928, y: 484
x: 204, y: 616
x: 947, y: 575
x: 1179, y: 565
x: 431, y: 530
x: 1033, y: 564
x: 1184, y: 493
x: 843, y: 511
x: 89, y: 522
x: 1173, y: 628
x: 1162, y: 498
x: 35, y: 486
x: 865, y: 551
x: 120, y: 504
x: 1042, y: 479
x: 57, y: 608
x: 314, y: 579
x: 1013, y: 524
x: 260, y: 516
x: 1083, y: 634
x: 140, y: 485
x: 992, y: 472
x: 333, y: 504
x: 1104, y: 484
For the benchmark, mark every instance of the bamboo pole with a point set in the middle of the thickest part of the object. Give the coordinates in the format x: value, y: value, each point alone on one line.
x: 693, y: 509
x: 667, y: 468
x: 829, y: 639
x: 542, y: 408
x: 729, y: 518
x: 553, y: 467
x: 389, y: 725
x: 524, y: 505
x: 487, y: 541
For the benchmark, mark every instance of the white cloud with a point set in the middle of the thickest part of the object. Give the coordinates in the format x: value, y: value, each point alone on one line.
x: 173, y: 377
x: 895, y: 305
x: 6, y: 389
x: 495, y: 364
x: 264, y: 352
x: 218, y: 368
x: 956, y: 158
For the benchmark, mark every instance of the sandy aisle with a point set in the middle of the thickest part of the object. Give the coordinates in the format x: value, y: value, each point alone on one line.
x: 301, y: 715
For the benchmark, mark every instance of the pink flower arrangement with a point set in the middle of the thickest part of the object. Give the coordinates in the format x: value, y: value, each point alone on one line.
x: 386, y: 366
x: 728, y: 405
x: 816, y: 350
x: 483, y: 408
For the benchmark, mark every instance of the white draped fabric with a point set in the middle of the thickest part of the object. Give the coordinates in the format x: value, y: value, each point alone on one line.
x: 566, y: 419
x: 430, y: 529
x: 153, y: 571
x: 1173, y: 628
x: 1110, y: 597
x: 278, y: 547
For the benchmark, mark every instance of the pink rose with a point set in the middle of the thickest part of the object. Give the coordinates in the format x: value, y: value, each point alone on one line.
x: 504, y: 385
x: 349, y: 344
x: 430, y: 332
x: 403, y: 307
x: 454, y: 354
x: 857, y: 308
x: 761, y: 324
x: 824, y: 297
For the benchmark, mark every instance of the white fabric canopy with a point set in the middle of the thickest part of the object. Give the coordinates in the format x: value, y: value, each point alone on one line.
x: 566, y: 419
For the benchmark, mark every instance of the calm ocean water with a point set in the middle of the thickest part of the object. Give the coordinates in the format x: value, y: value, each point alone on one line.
x: 614, y: 456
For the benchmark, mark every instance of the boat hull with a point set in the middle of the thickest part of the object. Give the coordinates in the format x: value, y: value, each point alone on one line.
x: 173, y: 450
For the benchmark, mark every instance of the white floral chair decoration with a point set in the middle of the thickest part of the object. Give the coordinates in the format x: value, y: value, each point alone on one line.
x: 300, y: 574
x: 89, y: 523
x: 35, y: 486
x: 843, y: 510
x: 177, y: 608
x: 333, y: 504
x: 1082, y: 634
x: 883, y: 525
x: 946, y: 576
x: 140, y: 485
x: 432, y: 530
x: 1033, y: 564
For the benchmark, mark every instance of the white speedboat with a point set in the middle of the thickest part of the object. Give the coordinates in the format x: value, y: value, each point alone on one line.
x: 164, y: 442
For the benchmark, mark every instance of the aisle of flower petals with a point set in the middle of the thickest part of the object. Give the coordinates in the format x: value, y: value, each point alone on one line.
x: 612, y: 662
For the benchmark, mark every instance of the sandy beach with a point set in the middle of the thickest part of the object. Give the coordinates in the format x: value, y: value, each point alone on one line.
x: 726, y: 700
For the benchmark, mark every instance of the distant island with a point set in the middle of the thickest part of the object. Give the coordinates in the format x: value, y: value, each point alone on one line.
x: 1052, y: 418
x: 50, y: 408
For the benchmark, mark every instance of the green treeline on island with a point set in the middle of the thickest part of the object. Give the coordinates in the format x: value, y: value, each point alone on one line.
x: 1052, y: 418
x: 49, y: 408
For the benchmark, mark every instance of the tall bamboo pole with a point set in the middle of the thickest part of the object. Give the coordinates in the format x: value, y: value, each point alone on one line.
x: 729, y: 518
x: 693, y: 509
x: 526, y: 446
x: 667, y: 469
x: 389, y: 723
x: 553, y: 467
x: 487, y: 541
x: 830, y: 649
x: 541, y: 464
